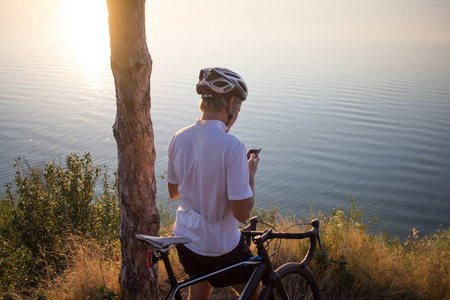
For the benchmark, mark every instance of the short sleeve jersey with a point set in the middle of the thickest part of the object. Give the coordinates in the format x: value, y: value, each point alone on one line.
x: 210, y: 168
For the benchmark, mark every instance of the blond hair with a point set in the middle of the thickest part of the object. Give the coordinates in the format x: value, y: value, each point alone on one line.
x: 216, y: 103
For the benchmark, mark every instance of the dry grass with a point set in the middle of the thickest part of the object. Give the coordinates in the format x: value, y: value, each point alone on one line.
x: 88, y: 268
x: 354, y: 265
x: 358, y: 265
x: 363, y: 266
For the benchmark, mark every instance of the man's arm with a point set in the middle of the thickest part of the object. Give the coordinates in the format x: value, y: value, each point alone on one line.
x: 173, y: 190
x: 242, y: 208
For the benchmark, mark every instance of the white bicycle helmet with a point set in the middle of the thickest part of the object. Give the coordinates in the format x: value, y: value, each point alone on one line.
x: 221, y: 81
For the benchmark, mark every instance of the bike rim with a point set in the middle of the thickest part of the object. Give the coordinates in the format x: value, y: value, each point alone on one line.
x: 296, y: 287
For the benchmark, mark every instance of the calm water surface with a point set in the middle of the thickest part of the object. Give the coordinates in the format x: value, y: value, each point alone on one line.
x: 362, y: 109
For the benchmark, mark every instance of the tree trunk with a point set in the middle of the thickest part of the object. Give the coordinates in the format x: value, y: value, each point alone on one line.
x: 131, y: 66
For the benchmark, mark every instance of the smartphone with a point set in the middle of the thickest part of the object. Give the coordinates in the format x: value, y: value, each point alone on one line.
x: 253, y: 150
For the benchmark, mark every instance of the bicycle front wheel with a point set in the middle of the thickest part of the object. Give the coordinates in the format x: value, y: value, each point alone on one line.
x: 299, y: 283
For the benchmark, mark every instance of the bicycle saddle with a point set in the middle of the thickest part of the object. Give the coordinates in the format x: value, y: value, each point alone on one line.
x: 163, y: 242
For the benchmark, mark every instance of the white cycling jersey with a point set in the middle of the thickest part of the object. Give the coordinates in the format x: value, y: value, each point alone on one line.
x: 210, y: 168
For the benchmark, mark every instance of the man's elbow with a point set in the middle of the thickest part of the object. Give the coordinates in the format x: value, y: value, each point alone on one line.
x: 174, y: 195
x: 241, y: 216
x: 242, y: 209
x: 173, y: 190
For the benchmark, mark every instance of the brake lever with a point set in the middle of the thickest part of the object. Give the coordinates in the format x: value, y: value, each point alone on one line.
x: 318, y: 240
x: 251, y: 227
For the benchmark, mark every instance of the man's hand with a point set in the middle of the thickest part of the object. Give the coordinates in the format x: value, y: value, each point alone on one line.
x: 253, y: 165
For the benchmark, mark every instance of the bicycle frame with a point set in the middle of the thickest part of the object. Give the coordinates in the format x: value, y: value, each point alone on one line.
x: 176, y: 286
x: 263, y: 269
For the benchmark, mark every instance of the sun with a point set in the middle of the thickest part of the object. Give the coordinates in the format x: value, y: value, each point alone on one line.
x: 85, y: 31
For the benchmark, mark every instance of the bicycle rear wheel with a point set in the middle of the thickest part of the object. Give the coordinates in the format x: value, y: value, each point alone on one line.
x: 299, y: 283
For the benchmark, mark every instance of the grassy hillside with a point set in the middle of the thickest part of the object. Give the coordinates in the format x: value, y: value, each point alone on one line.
x: 59, y: 240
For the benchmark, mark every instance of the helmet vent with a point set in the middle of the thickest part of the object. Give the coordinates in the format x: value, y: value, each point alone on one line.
x: 242, y: 86
x: 220, y: 83
x: 213, y: 76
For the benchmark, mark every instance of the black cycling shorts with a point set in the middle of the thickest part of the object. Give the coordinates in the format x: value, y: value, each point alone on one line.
x: 194, y: 263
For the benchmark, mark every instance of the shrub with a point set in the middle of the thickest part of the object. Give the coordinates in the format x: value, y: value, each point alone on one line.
x: 50, y: 203
x: 57, y: 235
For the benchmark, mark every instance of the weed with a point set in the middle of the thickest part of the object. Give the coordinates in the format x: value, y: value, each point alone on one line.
x: 57, y: 235
x: 106, y: 293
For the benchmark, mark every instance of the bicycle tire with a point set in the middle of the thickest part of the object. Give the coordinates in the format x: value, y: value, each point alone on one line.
x: 299, y: 282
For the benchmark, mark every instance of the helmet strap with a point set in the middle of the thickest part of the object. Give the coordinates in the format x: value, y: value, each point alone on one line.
x: 231, y: 113
x: 230, y: 116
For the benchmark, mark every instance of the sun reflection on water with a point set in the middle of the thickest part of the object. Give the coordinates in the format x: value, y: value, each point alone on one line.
x: 85, y: 32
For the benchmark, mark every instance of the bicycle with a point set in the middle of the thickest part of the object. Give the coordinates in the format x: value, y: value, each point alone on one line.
x: 290, y: 281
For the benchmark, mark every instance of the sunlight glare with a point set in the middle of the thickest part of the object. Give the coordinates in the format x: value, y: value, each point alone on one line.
x: 86, y: 32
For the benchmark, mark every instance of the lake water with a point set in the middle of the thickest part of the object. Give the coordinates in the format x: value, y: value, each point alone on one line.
x: 344, y: 97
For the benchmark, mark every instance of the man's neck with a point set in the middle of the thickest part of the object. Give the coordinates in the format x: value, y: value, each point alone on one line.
x: 215, y: 115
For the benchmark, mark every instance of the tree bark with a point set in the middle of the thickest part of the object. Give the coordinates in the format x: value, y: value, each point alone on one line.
x: 131, y: 66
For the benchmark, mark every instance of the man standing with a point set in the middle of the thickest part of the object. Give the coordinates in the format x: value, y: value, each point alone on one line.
x: 209, y: 171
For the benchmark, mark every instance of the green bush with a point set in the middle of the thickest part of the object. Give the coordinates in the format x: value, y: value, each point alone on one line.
x: 49, y: 203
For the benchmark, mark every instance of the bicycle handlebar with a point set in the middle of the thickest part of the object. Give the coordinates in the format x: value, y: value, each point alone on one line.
x: 262, y: 236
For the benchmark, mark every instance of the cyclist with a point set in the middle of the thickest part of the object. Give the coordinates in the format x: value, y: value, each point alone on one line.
x: 209, y: 171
